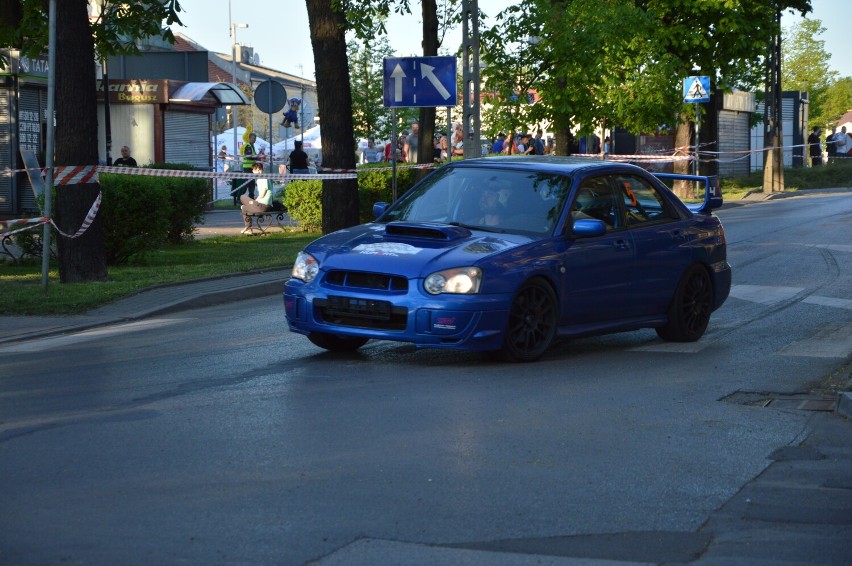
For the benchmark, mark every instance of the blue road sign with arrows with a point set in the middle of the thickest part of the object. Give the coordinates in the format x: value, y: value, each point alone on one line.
x: 696, y: 89
x: 420, y: 81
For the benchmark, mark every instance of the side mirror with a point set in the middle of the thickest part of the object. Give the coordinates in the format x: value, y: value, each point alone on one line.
x: 587, y: 228
x: 379, y: 209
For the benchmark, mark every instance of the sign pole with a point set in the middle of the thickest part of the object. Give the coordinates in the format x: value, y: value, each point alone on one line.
x: 269, y: 93
x: 449, y: 138
x: 697, y: 130
x: 51, y: 105
x: 393, y: 153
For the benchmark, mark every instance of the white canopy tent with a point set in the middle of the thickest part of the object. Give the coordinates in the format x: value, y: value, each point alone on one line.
x: 226, y: 138
x: 312, y: 145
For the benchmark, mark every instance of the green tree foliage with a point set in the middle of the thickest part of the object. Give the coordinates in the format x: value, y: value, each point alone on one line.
x: 805, y: 67
x: 620, y: 62
x: 78, y: 38
x: 366, y: 68
x: 838, y: 99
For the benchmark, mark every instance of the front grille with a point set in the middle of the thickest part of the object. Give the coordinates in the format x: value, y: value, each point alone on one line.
x: 366, y: 280
x: 361, y: 313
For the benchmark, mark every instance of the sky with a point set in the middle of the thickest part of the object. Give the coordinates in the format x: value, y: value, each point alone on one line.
x: 278, y: 30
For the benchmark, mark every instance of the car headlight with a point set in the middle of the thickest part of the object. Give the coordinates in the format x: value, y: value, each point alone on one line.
x: 462, y: 280
x: 305, y: 268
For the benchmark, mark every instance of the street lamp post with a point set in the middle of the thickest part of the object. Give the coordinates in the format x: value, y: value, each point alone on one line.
x: 234, y: 28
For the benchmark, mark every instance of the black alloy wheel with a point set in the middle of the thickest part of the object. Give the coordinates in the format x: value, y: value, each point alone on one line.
x: 533, y: 318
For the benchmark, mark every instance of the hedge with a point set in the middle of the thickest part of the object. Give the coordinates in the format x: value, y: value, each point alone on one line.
x: 303, y: 199
x: 141, y: 213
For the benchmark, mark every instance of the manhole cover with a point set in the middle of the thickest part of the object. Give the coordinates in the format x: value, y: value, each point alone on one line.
x: 797, y: 401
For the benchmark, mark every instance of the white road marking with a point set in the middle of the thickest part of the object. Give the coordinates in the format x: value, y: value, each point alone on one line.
x: 833, y: 341
x: 674, y: 347
x: 87, y: 335
x: 833, y: 247
x: 763, y: 294
x: 829, y: 302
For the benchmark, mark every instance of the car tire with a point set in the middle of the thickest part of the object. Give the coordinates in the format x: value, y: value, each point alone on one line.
x: 533, y: 319
x: 689, y: 312
x: 336, y: 342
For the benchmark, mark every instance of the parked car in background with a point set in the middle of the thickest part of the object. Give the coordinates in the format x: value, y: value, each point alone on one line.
x: 505, y: 254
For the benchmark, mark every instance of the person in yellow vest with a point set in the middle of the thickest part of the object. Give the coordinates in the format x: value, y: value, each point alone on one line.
x: 249, y: 159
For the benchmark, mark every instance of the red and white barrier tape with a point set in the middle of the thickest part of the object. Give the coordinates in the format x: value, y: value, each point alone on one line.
x: 30, y: 224
x: 75, y: 175
x: 36, y: 222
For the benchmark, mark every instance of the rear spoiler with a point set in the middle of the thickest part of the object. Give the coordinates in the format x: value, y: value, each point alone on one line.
x: 712, y: 191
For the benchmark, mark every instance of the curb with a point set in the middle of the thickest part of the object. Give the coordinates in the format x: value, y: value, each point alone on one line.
x: 844, y: 404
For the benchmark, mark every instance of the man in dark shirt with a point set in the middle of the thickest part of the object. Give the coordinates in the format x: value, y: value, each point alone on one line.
x: 125, y: 160
x: 299, y: 160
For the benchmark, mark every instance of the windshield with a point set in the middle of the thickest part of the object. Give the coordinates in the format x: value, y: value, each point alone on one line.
x: 486, y: 198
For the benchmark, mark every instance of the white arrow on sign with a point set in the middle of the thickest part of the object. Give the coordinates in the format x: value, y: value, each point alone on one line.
x: 428, y: 72
x: 397, y: 76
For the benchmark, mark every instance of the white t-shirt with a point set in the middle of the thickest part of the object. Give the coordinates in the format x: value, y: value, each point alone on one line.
x: 264, y: 195
x: 841, y: 143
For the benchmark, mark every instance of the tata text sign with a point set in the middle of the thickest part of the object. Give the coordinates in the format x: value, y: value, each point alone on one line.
x: 420, y: 81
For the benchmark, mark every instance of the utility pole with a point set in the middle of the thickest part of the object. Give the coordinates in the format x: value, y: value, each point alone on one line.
x: 773, y: 166
x: 470, y: 78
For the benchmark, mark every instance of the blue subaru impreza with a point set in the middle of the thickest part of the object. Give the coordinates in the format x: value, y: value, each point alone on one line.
x: 505, y: 254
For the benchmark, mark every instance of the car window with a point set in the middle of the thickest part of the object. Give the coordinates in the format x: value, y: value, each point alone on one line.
x: 486, y: 197
x: 642, y: 201
x: 595, y: 199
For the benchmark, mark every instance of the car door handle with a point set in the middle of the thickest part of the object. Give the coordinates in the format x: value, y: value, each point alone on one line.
x: 621, y: 245
x: 677, y: 234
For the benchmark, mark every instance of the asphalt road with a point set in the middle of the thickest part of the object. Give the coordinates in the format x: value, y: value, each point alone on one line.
x: 216, y: 437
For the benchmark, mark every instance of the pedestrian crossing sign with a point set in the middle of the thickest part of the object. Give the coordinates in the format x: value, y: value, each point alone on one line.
x: 696, y: 89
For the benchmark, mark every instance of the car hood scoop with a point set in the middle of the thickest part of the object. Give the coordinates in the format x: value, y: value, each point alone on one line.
x: 427, y: 231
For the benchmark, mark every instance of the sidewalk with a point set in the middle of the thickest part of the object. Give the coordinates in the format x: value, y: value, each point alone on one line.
x: 158, y: 300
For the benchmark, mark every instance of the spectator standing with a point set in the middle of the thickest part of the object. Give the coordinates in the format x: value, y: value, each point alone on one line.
x: 299, y: 160
x: 521, y: 145
x: 223, y: 159
x: 538, y: 144
x: 371, y: 154
x: 125, y: 160
x: 401, y: 143
x: 261, y: 204
x: 815, y: 147
x: 509, y: 147
x: 412, y: 143
x: 829, y: 145
x: 249, y: 159
x: 444, y: 145
x: 841, y: 142
x: 529, y: 146
x: 498, y: 143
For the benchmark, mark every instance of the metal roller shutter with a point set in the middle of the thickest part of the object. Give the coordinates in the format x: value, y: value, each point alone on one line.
x: 6, y: 150
x: 187, y: 138
x: 32, y: 106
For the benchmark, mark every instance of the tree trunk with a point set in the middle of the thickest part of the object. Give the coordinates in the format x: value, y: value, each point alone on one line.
x: 427, y: 115
x: 563, y: 139
x: 683, y: 143
x: 82, y: 258
x: 328, y: 39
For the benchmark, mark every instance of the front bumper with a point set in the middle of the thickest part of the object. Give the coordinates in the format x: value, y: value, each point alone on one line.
x: 466, y: 322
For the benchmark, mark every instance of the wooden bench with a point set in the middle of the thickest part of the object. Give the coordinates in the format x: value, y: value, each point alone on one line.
x: 263, y: 221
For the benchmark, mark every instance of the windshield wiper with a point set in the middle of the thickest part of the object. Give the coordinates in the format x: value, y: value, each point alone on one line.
x: 477, y: 227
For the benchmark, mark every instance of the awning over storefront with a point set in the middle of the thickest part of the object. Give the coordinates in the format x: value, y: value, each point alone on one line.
x: 224, y: 93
